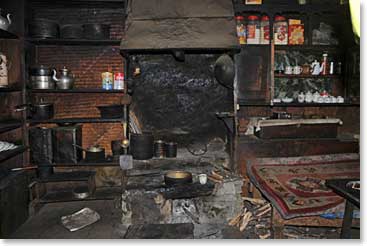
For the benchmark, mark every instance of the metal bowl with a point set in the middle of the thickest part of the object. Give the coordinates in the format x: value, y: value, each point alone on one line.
x: 172, y: 178
x: 81, y: 192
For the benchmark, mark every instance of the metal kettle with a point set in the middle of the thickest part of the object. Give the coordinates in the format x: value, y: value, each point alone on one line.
x: 5, y: 22
x: 66, y: 79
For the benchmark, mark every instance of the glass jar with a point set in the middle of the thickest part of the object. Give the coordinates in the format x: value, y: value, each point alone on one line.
x: 253, y: 29
x: 280, y: 30
x: 241, y: 29
x: 264, y: 30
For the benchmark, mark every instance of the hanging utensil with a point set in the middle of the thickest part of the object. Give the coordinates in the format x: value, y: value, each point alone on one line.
x: 224, y: 71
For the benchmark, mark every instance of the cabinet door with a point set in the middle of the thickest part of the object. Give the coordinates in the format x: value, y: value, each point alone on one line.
x: 253, y: 74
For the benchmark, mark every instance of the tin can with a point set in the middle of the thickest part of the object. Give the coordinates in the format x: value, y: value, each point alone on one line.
x: 118, y: 81
x: 280, y: 30
x: 107, y: 80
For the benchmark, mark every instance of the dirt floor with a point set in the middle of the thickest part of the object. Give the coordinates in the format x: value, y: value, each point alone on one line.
x: 47, y: 225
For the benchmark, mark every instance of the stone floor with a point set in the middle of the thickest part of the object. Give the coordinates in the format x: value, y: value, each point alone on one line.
x: 47, y: 225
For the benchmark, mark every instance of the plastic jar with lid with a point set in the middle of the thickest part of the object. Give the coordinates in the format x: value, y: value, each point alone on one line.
x: 264, y: 30
x: 241, y: 29
x: 280, y: 30
x: 253, y: 29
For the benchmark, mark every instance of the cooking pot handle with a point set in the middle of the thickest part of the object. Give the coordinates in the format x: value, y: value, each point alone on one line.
x: 22, y: 107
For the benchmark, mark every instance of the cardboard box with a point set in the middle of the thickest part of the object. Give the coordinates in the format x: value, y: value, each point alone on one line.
x: 296, y: 34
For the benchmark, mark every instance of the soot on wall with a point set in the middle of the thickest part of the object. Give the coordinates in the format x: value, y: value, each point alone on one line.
x: 178, y: 100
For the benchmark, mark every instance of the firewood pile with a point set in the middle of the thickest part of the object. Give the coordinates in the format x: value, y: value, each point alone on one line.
x: 255, y: 216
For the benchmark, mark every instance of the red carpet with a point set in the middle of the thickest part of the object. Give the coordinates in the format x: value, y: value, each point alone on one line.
x: 298, y: 189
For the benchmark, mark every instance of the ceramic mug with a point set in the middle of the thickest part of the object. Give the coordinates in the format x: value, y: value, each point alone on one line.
x: 288, y: 70
x: 203, y: 178
x: 297, y: 70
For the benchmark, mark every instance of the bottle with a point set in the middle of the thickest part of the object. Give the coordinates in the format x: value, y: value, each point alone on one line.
x: 331, y: 70
x: 264, y: 30
x: 324, y: 64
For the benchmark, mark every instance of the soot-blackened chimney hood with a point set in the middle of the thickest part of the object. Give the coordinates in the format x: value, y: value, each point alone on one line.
x: 153, y: 25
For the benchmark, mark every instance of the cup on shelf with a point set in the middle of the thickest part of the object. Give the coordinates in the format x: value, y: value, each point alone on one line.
x: 297, y: 70
x: 288, y: 70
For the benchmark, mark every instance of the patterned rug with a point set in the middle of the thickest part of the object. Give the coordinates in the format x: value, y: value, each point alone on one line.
x: 296, y: 186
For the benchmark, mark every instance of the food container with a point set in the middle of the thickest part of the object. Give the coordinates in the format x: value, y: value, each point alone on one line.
x: 296, y: 34
x: 171, y: 150
x: 107, y: 80
x: 264, y: 30
x: 3, y: 71
x: 253, y: 30
x: 159, y: 149
x: 41, y: 71
x: 280, y: 30
x: 42, y: 82
x: 118, y: 81
x: 241, y: 29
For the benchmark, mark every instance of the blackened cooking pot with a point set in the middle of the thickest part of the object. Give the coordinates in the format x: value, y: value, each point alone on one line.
x: 40, y: 111
x: 43, y: 28
x: 71, y: 32
x: 96, y: 31
x: 142, y: 145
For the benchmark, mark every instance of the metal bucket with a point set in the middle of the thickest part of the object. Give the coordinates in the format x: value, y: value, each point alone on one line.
x: 141, y: 146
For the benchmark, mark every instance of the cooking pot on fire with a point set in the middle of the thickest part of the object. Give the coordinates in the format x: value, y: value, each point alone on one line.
x: 172, y: 178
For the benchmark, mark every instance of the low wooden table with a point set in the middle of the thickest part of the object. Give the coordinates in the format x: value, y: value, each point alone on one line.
x: 352, y: 196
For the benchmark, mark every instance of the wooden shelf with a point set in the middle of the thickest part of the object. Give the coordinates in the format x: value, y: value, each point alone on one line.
x: 309, y: 47
x: 10, y: 89
x: 7, y: 35
x: 77, y: 90
x: 5, y: 155
x: 306, y: 76
x: 73, y: 42
x: 8, y: 125
x: 292, y: 7
x: 77, y: 120
x: 83, y: 163
x: 296, y: 104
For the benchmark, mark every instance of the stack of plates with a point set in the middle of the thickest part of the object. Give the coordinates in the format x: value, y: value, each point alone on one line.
x: 4, y: 146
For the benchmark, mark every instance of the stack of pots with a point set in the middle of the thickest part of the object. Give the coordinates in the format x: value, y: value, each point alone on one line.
x: 41, y: 77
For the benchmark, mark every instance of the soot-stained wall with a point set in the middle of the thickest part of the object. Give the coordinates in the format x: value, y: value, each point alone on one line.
x: 178, y: 100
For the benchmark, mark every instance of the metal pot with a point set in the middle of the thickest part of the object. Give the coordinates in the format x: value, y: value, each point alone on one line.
x: 5, y: 21
x: 93, y: 154
x: 43, y: 28
x: 66, y: 80
x: 96, y: 31
x: 40, y: 111
x: 41, y: 71
x: 172, y: 178
x: 71, y: 32
x: 42, y: 82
